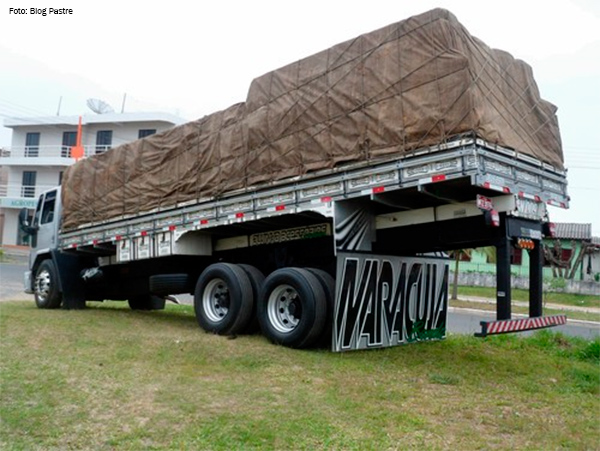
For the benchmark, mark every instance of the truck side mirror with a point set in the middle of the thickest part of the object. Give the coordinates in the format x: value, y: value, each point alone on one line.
x: 24, y: 222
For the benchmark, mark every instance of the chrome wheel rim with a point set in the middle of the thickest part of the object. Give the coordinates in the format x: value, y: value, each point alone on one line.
x: 215, y: 300
x: 284, y: 308
x: 42, y: 285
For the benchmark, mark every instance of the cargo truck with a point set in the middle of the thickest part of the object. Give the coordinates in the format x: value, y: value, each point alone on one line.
x: 322, y: 208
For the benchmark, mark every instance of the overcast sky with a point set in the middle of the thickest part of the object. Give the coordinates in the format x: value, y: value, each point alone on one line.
x: 194, y: 58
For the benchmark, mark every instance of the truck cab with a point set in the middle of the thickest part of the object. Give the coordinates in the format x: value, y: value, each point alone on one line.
x: 40, y: 278
x: 50, y: 276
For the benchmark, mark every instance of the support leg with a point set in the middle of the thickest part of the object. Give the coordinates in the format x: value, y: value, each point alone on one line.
x: 535, y: 280
x: 503, y: 295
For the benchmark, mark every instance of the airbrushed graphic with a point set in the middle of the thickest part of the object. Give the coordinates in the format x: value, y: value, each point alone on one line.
x: 350, y: 233
x: 386, y: 301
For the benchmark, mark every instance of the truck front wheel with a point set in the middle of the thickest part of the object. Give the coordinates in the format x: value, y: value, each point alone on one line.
x: 45, y: 286
x: 292, y: 308
x: 223, y: 299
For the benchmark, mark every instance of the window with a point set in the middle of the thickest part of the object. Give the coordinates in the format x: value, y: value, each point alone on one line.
x: 69, y: 140
x: 28, y: 184
x: 146, y: 132
x: 32, y: 144
x: 103, y: 140
x: 48, y: 208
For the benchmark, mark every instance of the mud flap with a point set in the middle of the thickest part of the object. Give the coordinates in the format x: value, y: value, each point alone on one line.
x: 386, y: 301
x: 71, y: 285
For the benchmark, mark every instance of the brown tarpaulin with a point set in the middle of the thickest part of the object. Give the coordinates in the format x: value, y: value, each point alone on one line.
x: 414, y: 83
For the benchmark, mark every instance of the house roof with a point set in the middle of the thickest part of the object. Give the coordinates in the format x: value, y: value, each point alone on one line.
x: 13, y: 122
x: 573, y: 231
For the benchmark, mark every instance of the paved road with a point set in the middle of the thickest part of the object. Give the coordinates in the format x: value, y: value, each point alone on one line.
x: 11, y: 280
x: 462, y: 321
x: 466, y: 321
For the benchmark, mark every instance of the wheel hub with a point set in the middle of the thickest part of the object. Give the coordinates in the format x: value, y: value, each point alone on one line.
x: 215, y: 300
x: 284, y: 308
x: 42, y: 285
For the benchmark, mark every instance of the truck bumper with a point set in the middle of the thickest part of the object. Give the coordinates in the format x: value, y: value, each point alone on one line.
x: 27, y: 285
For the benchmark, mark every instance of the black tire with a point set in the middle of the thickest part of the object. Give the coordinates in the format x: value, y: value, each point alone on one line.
x: 292, y: 308
x: 146, y: 302
x: 223, y: 299
x: 257, y: 278
x: 164, y: 284
x: 328, y: 285
x: 45, y: 286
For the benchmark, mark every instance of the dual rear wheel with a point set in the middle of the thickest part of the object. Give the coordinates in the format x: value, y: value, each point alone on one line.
x: 291, y: 304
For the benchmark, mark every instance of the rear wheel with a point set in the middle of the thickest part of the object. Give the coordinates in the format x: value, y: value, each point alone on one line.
x: 46, y: 292
x: 257, y: 278
x: 328, y: 285
x: 223, y: 299
x: 292, y: 308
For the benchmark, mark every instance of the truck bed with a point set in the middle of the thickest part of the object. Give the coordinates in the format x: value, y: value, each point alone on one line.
x: 449, y: 173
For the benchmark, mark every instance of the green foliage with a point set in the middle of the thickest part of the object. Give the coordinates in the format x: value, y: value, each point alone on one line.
x: 591, y: 351
x: 558, y: 283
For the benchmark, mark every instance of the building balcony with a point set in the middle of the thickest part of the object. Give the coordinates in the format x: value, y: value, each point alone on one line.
x: 44, y: 155
x: 21, y: 196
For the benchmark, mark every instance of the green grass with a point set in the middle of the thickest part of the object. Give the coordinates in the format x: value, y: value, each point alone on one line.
x: 109, y: 378
x: 579, y: 300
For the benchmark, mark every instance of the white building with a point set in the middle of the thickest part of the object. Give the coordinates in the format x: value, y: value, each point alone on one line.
x: 40, y: 152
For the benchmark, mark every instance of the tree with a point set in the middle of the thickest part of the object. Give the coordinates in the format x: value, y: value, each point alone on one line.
x: 566, y: 267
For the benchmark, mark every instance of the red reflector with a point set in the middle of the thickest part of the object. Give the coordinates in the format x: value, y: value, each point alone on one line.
x: 280, y: 207
x: 239, y: 215
x: 95, y: 242
x: 506, y: 189
x: 379, y: 189
x: 171, y: 228
x: 118, y: 238
x: 486, y: 185
x: 538, y: 199
x: 495, y: 218
x: 144, y: 233
x: 326, y: 199
x: 203, y: 221
x: 438, y: 178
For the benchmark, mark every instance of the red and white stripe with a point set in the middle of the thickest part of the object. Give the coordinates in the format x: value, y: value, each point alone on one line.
x: 533, y: 197
x: 519, y: 325
x: 432, y: 179
x: 376, y: 190
x: 276, y: 208
x: 504, y: 189
x: 556, y: 203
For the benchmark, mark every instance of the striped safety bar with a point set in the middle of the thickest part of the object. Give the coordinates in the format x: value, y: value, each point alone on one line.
x: 519, y: 325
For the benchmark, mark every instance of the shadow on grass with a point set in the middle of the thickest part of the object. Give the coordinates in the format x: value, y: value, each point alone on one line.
x: 172, y: 314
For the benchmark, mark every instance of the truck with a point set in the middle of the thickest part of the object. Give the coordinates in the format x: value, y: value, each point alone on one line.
x: 321, y: 210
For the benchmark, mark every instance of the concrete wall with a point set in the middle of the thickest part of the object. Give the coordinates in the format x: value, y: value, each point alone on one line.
x: 479, y: 279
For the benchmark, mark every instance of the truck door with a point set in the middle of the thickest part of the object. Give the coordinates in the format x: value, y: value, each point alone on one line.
x: 46, y: 221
